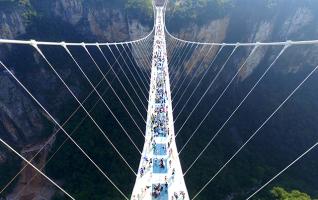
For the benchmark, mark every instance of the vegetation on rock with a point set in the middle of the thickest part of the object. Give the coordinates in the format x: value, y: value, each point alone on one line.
x: 281, y: 194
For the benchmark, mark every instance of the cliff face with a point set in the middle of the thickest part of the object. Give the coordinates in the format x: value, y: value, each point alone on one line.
x: 69, y: 10
x: 12, y: 23
x: 103, y: 21
x: 247, y: 21
x: 96, y: 21
x: 215, y: 30
x: 22, y: 123
x: 20, y: 119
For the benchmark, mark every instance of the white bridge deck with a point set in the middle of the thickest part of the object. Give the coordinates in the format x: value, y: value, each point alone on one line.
x: 160, y: 175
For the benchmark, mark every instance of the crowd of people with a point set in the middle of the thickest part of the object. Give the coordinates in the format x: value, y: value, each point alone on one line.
x: 160, y: 117
x: 158, y: 189
x: 159, y: 153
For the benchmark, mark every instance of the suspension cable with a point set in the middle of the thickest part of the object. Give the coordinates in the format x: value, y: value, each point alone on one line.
x: 283, y: 170
x: 186, y: 77
x: 72, y: 93
x: 144, y: 69
x: 30, y: 42
x: 122, y: 69
x: 142, y: 48
x: 58, y: 149
x: 98, y: 94
x: 288, y: 42
x: 193, y: 77
x: 174, y: 54
x: 261, y: 126
x: 221, y: 95
x: 139, y: 52
x: 54, y: 120
x: 175, y: 78
x: 34, y: 167
x: 205, y: 73
x: 143, y: 78
x: 109, y: 84
x: 183, y: 70
x: 178, y: 55
x: 170, y: 56
x: 127, y: 66
x: 247, y: 95
x: 146, y: 49
x: 122, y: 85
x: 55, y: 133
x: 176, y: 63
x: 206, y: 91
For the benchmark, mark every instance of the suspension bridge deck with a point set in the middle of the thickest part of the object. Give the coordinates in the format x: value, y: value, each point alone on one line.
x: 160, y: 175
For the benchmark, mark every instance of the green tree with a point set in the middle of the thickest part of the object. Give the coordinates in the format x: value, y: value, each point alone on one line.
x: 281, y: 194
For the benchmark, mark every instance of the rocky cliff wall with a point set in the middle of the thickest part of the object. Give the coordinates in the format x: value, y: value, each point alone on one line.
x: 22, y: 122
x: 94, y: 20
x: 248, y: 21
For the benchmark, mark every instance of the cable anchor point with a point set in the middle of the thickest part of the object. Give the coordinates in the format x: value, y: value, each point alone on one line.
x: 288, y: 43
x: 33, y: 43
x: 63, y: 44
